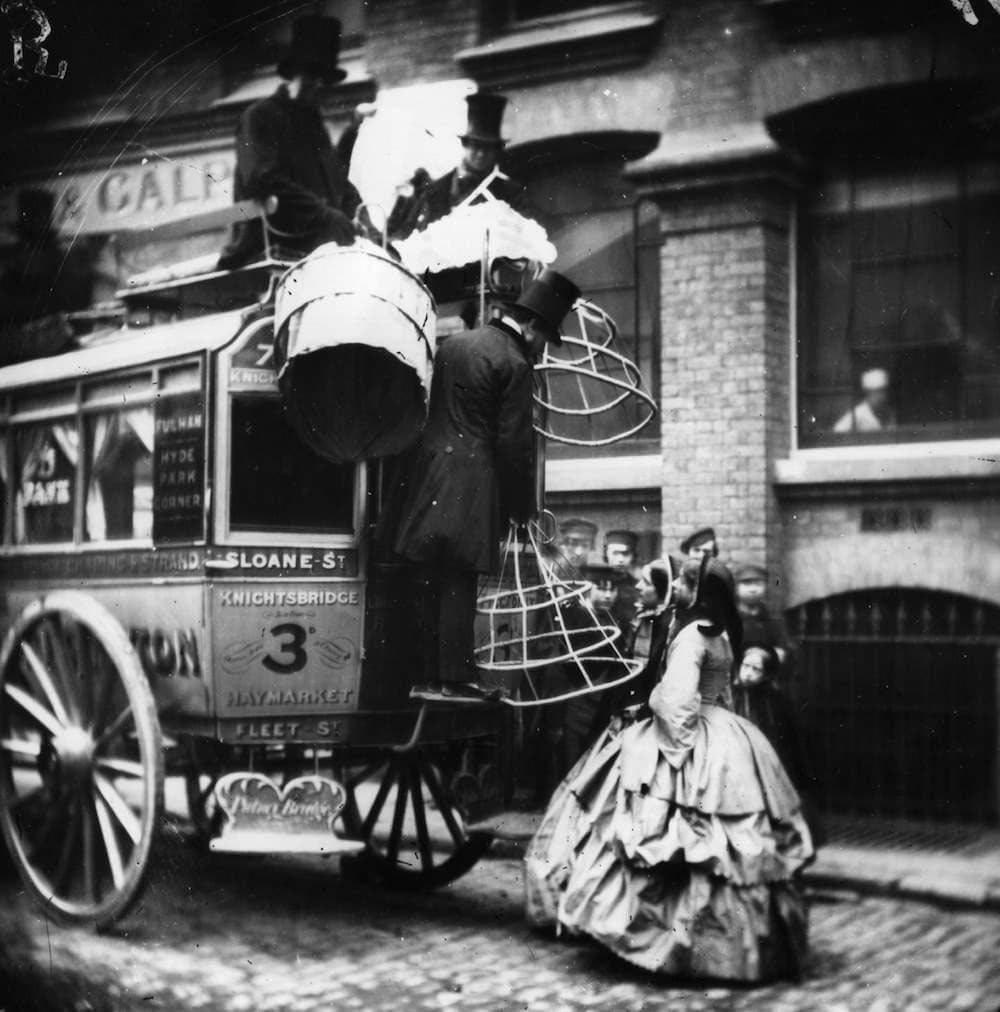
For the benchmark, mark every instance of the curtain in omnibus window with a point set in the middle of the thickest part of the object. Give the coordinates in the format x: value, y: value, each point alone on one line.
x: 120, y: 476
x: 45, y: 466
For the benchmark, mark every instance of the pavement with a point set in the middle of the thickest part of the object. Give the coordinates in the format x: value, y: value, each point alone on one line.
x: 948, y: 865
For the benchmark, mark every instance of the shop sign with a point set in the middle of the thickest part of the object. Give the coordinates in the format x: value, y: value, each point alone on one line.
x: 261, y: 816
x: 286, y: 650
x: 137, y: 195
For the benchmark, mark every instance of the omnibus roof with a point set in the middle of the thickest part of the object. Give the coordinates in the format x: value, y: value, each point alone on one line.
x: 127, y: 347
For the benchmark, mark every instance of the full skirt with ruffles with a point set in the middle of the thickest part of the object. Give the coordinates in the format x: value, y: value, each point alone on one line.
x: 687, y: 869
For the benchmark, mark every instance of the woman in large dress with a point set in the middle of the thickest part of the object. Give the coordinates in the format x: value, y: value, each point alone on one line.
x: 676, y: 841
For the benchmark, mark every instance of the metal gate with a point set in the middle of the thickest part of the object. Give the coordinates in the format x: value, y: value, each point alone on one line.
x: 899, y: 691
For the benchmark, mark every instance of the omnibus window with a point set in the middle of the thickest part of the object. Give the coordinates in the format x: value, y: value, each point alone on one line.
x: 120, y: 475
x: 276, y: 483
x: 45, y: 459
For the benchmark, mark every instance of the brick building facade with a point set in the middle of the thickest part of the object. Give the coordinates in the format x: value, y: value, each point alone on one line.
x: 768, y: 180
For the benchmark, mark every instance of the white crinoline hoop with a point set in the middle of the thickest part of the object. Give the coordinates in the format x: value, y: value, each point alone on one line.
x: 591, y: 394
x: 543, y: 633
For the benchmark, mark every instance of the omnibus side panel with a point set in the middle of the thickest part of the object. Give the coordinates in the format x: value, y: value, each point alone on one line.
x: 288, y: 648
x: 165, y: 624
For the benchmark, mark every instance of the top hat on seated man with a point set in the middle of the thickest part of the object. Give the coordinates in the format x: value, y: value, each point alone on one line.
x: 315, y: 49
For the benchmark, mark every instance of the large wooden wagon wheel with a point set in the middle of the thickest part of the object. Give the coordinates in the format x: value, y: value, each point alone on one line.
x: 81, y: 766
x: 404, y: 808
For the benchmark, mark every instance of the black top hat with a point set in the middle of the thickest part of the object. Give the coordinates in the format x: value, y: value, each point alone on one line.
x: 315, y: 46
x: 485, y: 116
x: 549, y: 297
x: 35, y: 208
x: 698, y: 538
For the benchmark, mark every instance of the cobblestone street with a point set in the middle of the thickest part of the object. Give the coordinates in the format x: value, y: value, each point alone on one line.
x: 247, y: 934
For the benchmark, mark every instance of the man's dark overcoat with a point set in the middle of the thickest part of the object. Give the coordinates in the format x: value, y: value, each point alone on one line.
x: 283, y: 150
x: 443, y: 195
x: 473, y: 467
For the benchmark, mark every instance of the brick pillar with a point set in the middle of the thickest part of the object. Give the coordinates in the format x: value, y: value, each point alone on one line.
x: 725, y: 354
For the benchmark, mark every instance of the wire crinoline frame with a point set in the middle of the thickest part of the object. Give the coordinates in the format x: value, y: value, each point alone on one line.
x: 606, y: 384
x: 539, y: 619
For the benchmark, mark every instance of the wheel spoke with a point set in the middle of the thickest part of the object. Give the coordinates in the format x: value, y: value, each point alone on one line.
x: 420, y: 817
x: 103, y: 679
x: 52, y: 639
x: 373, y: 813
x: 119, y: 808
x: 21, y: 747
x: 89, y: 850
x: 34, y: 708
x: 39, y: 673
x: 115, y: 727
x: 395, y: 834
x: 69, y: 847
x: 444, y: 806
x: 111, y: 848
x: 126, y: 767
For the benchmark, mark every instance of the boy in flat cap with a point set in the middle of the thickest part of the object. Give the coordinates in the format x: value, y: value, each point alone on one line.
x: 619, y: 553
x: 701, y: 542
x: 283, y: 150
x: 760, y: 627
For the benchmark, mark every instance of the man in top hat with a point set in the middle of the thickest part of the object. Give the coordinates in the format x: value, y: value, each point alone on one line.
x: 701, y: 542
x: 481, y: 149
x: 283, y: 150
x: 873, y: 412
x: 472, y: 471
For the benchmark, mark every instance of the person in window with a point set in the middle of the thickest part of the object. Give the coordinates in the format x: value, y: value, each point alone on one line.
x: 677, y: 843
x: 478, y: 171
x: 873, y: 412
x: 283, y: 150
x: 472, y: 471
x: 700, y: 542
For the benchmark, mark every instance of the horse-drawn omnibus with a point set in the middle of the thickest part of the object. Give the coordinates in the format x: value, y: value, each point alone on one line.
x: 188, y: 589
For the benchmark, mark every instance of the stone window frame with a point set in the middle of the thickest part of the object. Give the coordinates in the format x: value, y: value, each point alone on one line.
x: 929, y: 188
x: 597, y: 38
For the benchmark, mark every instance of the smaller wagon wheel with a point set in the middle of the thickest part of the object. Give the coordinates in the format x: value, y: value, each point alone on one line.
x: 402, y: 807
x: 81, y: 766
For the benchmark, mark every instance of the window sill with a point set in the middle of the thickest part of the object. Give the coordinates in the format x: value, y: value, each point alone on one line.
x: 617, y: 36
x: 974, y: 461
x: 587, y: 474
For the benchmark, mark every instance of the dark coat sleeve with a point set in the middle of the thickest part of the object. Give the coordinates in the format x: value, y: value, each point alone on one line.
x: 515, y: 447
x: 264, y: 153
